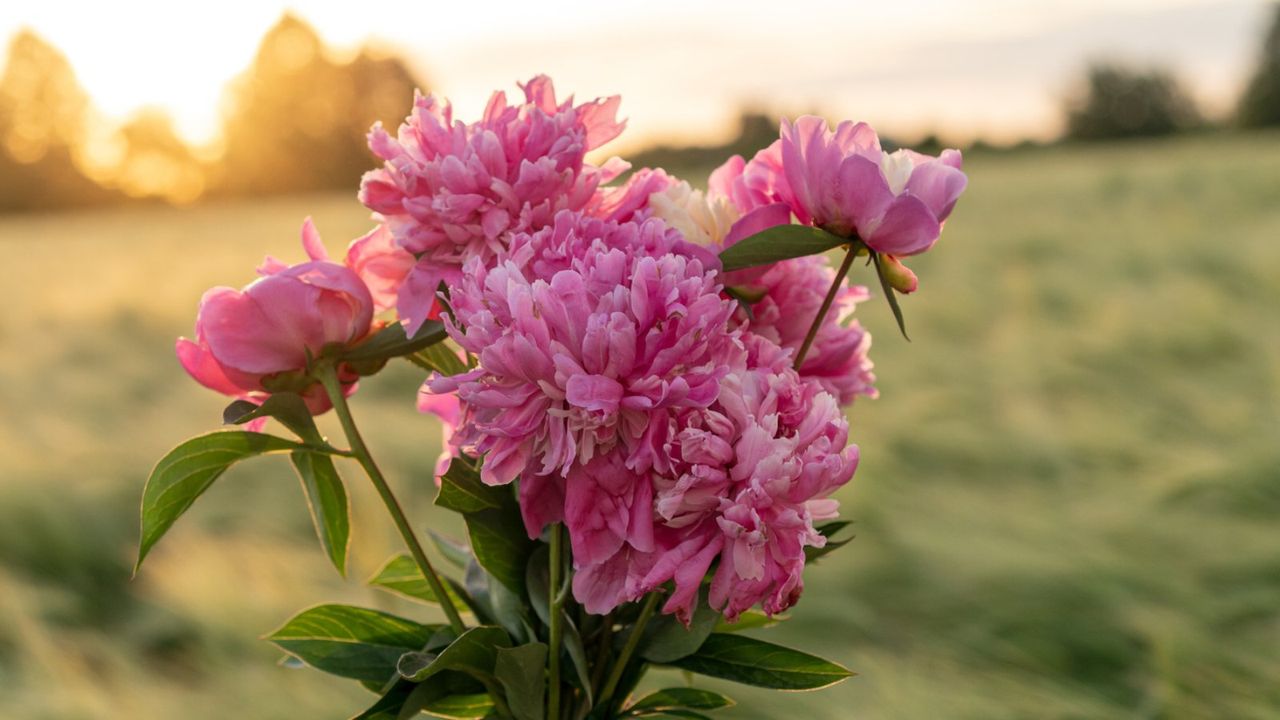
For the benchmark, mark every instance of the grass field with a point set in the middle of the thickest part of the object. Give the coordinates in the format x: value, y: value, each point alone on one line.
x: 1067, y: 505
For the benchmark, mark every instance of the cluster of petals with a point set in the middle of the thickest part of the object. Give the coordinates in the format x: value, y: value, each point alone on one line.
x: 783, y: 294
x: 588, y: 335
x: 261, y: 339
x: 741, y: 482
x: 450, y: 191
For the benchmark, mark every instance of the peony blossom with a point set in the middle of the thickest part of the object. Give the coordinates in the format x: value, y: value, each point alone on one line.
x: 262, y: 339
x: 842, y: 181
x: 787, y: 294
x: 381, y: 264
x: 742, y: 483
x: 446, y: 409
x: 450, y: 191
x: 589, y: 334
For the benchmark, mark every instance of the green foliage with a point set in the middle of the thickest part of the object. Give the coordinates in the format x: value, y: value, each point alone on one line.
x: 755, y: 662
x: 327, y: 501
x: 188, y: 470
x: 1123, y: 103
x: 522, y: 672
x: 667, y: 639
x: 286, y: 407
x: 351, y: 642
x: 401, y: 575
x: 677, y: 698
x: 474, y: 652
x: 496, y: 531
x: 781, y: 242
x: 1260, y: 103
x: 391, y: 342
x: 829, y: 531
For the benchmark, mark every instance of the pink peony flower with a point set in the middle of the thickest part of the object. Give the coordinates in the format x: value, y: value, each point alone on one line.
x: 589, y: 334
x: 742, y: 482
x: 629, y: 201
x: 252, y: 342
x: 447, y: 410
x: 842, y: 181
x: 381, y: 264
x: 450, y: 191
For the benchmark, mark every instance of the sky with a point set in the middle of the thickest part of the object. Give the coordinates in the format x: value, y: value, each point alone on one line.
x: 997, y: 69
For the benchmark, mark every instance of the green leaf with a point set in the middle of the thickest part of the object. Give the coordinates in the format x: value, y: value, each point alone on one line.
x: 889, y: 295
x: 678, y: 698
x: 501, y: 545
x: 828, y: 531
x: 755, y: 662
x: 666, y: 638
x: 351, y: 642
x: 457, y: 554
x: 391, y: 342
x: 286, y: 407
x: 750, y: 620
x: 462, y: 491
x: 781, y: 242
x: 537, y: 583
x: 441, y: 358
x: 188, y: 470
x: 521, y: 670
x: 459, y: 707
x: 572, y: 641
x: 474, y: 652
x: 403, y: 699
x: 327, y: 502
x: 401, y: 575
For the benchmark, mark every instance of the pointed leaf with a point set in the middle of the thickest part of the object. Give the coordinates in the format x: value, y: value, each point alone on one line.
x: 781, y: 242
x: 286, y: 407
x: 441, y: 358
x: 828, y: 531
x: 401, y: 575
x: 521, y: 670
x: 459, y: 707
x: 679, y: 698
x: 391, y: 342
x: 572, y: 640
x: 457, y: 554
x: 755, y: 662
x: 351, y: 642
x: 462, y: 491
x: 474, y: 653
x: 501, y: 545
x: 889, y: 295
x: 188, y: 470
x: 327, y: 501
x: 538, y: 581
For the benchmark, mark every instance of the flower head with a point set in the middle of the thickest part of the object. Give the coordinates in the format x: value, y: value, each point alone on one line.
x: 261, y: 339
x: 450, y: 191
x: 588, y: 335
x: 842, y: 181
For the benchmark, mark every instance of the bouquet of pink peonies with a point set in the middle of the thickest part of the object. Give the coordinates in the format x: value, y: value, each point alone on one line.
x: 641, y: 386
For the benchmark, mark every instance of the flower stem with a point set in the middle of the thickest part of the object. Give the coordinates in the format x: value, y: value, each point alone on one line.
x: 328, y: 377
x: 826, y: 302
x: 555, y: 604
x: 633, y: 641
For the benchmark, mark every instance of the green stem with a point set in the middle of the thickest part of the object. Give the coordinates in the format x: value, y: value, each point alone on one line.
x: 633, y: 641
x: 555, y: 603
x: 329, y: 379
x: 826, y: 302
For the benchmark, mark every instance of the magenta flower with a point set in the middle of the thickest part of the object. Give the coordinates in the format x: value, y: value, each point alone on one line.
x: 450, y: 191
x: 742, y: 483
x: 252, y: 342
x: 588, y: 334
x: 630, y: 200
x: 842, y: 181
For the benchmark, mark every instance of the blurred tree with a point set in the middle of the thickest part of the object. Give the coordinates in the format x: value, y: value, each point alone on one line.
x: 1260, y: 104
x: 43, y: 115
x: 155, y: 162
x: 1121, y: 103
x: 297, y: 120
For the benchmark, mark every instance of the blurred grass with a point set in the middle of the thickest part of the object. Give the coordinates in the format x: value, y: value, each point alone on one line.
x: 1066, y: 506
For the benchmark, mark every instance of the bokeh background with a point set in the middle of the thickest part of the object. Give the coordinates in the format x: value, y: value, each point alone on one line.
x: 1067, y: 505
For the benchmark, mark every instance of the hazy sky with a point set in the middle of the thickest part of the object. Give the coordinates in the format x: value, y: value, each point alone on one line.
x: 994, y: 68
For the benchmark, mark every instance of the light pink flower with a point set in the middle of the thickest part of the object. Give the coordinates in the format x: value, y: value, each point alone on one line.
x: 588, y: 334
x: 447, y: 410
x: 630, y: 200
x: 842, y: 181
x: 252, y: 342
x: 381, y: 264
x: 450, y: 191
